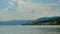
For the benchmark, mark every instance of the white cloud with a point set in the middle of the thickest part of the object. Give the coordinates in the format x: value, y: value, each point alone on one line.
x: 25, y: 10
x: 5, y: 14
x: 41, y: 10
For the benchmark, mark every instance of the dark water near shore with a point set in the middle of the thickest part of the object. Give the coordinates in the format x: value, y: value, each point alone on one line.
x: 19, y: 29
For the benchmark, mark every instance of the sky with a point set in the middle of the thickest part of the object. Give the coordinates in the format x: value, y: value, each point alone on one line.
x: 28, y: 9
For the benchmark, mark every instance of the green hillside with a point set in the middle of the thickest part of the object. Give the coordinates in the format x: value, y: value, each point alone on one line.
x: 50, y: 21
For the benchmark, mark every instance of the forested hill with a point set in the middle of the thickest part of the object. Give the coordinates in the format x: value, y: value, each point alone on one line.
x: 46, y: 21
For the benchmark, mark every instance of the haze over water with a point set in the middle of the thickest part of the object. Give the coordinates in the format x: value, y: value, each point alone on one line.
x: 20, y: 29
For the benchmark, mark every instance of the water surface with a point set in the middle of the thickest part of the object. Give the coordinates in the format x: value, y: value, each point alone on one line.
x: 18, y: 29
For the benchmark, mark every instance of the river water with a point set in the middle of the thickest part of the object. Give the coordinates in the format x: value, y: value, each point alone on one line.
x: 20, y: 29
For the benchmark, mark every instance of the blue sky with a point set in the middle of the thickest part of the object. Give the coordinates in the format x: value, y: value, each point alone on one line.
x: 28, y: 9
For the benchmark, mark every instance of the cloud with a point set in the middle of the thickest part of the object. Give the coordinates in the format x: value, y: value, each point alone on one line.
x: 6, y: 14
x: 28, y: 10
x: 41, y: 10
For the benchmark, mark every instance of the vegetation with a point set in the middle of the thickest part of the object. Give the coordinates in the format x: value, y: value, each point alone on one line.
x: 53, y: 21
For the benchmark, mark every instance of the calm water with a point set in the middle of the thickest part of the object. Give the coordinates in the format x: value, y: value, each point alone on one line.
x: 18, y: 29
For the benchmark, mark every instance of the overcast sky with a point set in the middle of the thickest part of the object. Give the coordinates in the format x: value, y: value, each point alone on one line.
x: 28, y: 9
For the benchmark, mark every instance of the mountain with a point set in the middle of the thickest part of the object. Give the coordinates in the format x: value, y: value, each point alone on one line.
x: 46, y: 18
x: 14, y: 22
x: 46, y: 21
x: 40, y: 21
